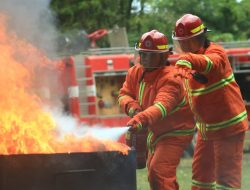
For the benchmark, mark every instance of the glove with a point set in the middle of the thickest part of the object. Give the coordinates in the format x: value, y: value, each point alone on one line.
x: 183, y: 69
x: 182, y: 72
x: 133, y: 108
x: 135, y: 125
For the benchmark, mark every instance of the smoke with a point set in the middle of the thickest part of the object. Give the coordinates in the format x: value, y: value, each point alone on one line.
x: 68, y: 125
x: 105, y: 133
x: 33, y: 21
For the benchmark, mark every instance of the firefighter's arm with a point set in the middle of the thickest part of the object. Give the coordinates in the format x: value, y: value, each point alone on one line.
x: 168, y: 97
x: 203, y: 63
x: 129, y: 105
x: 127, y: 97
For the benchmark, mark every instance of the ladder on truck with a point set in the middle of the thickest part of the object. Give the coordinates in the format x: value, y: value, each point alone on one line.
x: 82, y: 84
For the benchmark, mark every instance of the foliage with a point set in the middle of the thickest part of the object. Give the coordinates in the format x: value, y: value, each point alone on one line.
x: 223, y: 37
x: 228, y: 19
x: 91, y: 15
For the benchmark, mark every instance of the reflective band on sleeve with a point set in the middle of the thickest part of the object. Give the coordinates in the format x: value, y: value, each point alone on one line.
x: 209, y: 64
x: 213, y: 87
x: 222, y: 187
x: 73, y: 92
x: 211, y: 185
x: 184, y: 63
x: 141, y: 90
x: 120, y: 99
x: 131, y: 112
x: 238, y: 118
x: 139, y: 126
x: 198, y: 29
x: 182, y: 103
x: 162, y: 109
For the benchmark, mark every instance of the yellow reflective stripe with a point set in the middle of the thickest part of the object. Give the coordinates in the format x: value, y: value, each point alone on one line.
x: 149, y: 139
x: 213, y: 87
x: 131, y: 112
x: 185, y: 132
x: 151, y: 145
x: 202, y: 128
x: 184, y: 63
x: 141, y: 90
x: 222, y: 187
x: 189, y: 94
x: 162, y: 109
x: 209, y: 64
x: 198, y: 29
x: 211, y: 185
x: 182, y: 103
x: 139, y: 126
x: 238, y: 118
x: 120, y: 99
x: 162, y: 47
x: 128, y: 135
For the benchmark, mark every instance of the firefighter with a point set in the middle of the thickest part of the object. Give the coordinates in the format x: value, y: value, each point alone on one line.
x: 156, y: 101
x: 219, y: 110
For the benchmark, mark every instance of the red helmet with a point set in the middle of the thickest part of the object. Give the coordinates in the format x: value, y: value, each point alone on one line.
x: 188, y: 26
x: 153, y: 41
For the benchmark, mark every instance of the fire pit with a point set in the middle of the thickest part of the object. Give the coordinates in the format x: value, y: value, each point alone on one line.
x: 108, y: 170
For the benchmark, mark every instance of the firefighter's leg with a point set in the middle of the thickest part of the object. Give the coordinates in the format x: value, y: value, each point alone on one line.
x: 203, y: 165
x: 163, y: 163
x: 228, y: 162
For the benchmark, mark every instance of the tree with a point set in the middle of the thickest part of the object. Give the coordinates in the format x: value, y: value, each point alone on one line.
x: 227, y: 18
x: 91, y: 15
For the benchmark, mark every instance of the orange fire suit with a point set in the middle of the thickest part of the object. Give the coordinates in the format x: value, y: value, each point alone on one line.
x: 161, y: 100
x: 221, y: 119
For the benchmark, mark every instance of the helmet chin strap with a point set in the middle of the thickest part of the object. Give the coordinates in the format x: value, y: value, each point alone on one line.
x: 198, y: 50
x: 149, y: 69
x: 204, y: 45
x: 203, y: 48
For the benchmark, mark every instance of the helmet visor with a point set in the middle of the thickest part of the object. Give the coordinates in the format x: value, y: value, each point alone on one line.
x: 151, y: 60
x: 192, y: 45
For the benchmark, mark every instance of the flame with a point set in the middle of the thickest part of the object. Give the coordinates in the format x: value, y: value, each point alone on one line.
x: 25, y: 127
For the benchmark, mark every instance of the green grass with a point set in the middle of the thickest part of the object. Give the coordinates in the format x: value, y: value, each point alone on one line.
x: 184, y: 174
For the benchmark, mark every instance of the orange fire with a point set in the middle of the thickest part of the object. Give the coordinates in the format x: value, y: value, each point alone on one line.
x: 25, y: 127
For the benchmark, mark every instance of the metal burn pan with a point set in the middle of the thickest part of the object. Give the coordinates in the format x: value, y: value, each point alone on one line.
x: 75, y: 171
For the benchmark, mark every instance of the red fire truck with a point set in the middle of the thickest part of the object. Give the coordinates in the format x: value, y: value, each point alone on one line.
x: 92, y: 81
